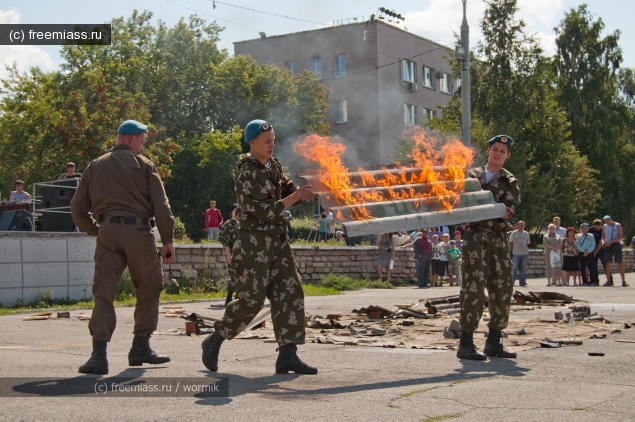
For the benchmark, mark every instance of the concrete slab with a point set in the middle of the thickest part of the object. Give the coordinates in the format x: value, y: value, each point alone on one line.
x: 52, y: 249
x: 10, y: 250
x: 9, y: 297
x: 33, y: 294
x: 81, y: 273
x: 80, y: 292
x: 10, y: 275
x: 45, y: 275
x: 82, y: 248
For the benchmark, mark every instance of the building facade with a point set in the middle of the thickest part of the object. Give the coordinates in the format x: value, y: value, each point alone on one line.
x: 382, y: 79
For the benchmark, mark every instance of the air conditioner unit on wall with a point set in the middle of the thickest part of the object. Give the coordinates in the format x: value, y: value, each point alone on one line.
x: 411, y: 86
x: 439, y: 74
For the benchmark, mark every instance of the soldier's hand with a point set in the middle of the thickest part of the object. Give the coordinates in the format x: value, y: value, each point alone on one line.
x: 305, y: 192
x: 510, y: 213
x: 228, y: 259
x: 168, y: 253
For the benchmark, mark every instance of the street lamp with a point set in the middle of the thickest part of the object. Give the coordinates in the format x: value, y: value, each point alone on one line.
x: 462, y: 51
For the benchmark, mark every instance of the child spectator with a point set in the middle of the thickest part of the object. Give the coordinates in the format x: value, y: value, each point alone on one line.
x: 443, y: 257
x: 454, y: 255
x: 570, y: 258
x: 436, y: 259
x: 323, y: 230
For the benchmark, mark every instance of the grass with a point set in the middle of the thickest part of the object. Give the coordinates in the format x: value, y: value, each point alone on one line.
x: 343, y: 283
x: 578, y: 408
x: 130, y: 301
x: 194, y: 291
x: 314, y: 290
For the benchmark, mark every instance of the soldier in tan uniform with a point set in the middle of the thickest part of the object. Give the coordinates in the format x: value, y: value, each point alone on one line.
x: 118, y: 194
x: 265, y: 267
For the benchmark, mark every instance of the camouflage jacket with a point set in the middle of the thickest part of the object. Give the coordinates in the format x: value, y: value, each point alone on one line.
x: 260, y: 192
x: 229, y: 233
x: 504, y: 188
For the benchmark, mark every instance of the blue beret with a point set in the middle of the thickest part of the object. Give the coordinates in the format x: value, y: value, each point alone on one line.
x: 606, y: 217
x: 584, y: 225
x: 503, y: 139
x: 254, y: 128
x: 132, y: 127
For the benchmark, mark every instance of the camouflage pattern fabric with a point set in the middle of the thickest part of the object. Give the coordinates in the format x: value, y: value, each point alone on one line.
x: 265, y: 267
x: 486, y: 262
x: 228, y: 236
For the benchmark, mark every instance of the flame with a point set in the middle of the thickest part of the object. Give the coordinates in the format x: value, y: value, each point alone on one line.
x: 451, y: 159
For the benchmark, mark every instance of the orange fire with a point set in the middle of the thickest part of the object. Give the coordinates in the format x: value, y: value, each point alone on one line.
x: 452, y: 157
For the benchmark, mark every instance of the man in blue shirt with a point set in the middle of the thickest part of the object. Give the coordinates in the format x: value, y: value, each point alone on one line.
x: 586, y: 246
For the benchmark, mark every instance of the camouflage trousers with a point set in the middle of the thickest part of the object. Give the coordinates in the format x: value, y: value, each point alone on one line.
x: 486, y: 264
x: 231, y: 272
x: 265, y: 268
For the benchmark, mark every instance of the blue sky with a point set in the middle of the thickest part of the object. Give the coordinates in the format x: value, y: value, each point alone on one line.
x: 433, y: 19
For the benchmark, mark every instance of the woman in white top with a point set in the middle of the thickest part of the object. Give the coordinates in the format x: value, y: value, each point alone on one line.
x: 553, y: 243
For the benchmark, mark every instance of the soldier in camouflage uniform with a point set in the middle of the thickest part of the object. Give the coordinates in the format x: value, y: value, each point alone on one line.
x: 265, y: 267
x: 486, y: 262
x: 228, y: 236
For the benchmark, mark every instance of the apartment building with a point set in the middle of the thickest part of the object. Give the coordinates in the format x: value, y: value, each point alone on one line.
x: 381, y: 78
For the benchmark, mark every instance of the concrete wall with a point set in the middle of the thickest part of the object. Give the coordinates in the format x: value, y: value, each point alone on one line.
x: 33, y: 262
x: 208, y: 260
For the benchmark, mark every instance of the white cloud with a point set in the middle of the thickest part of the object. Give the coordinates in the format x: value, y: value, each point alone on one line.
x: 9, y: 16
x: 26, y: 56
x: 442, y: 18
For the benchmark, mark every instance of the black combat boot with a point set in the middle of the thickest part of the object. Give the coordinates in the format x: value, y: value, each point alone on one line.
x: 141, y: 353
x: 494, y: 347
x: 288, y: 361
x: 98, y: 363
x: 229, y: 297
x: 211, y: 347
x: 467, y: 350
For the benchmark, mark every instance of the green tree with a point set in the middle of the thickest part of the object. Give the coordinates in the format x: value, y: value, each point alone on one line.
x: 589, y: 91
x: 513, y: 93
x: 191, y: 94
x: 205, y: 170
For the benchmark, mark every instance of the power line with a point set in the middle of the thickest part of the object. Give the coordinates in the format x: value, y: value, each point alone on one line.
x: 31, y: 54
x: 411, y: 37
x: 266, y: 13
x: 207, y: 14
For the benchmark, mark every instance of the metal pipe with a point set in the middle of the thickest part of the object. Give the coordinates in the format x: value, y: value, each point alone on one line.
x: 391, y: 193
x: 378, y: 210
x: 410, y: 222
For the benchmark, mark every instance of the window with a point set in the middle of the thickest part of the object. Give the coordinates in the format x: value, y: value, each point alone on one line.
x: 427, y: 115
x: 292, y: 67
x: 409, y: 114
x: 340, y: 65
x: 316, y: 66
x: 428, y: 77
x: 341, y: 114
x: 409, y: 71
x: 445, y: 82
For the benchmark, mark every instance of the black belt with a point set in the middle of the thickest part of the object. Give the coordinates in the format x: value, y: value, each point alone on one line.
x: 126, y: 220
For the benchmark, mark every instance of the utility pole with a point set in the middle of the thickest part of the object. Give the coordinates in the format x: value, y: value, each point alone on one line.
x: 462, y: 52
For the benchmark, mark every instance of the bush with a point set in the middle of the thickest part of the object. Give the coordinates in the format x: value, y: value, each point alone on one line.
x: 346, y: 283
x: 188, y: 286
x: 125, y: 289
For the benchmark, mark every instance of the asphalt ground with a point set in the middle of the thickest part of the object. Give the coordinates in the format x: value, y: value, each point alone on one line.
x: 353, y: 383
